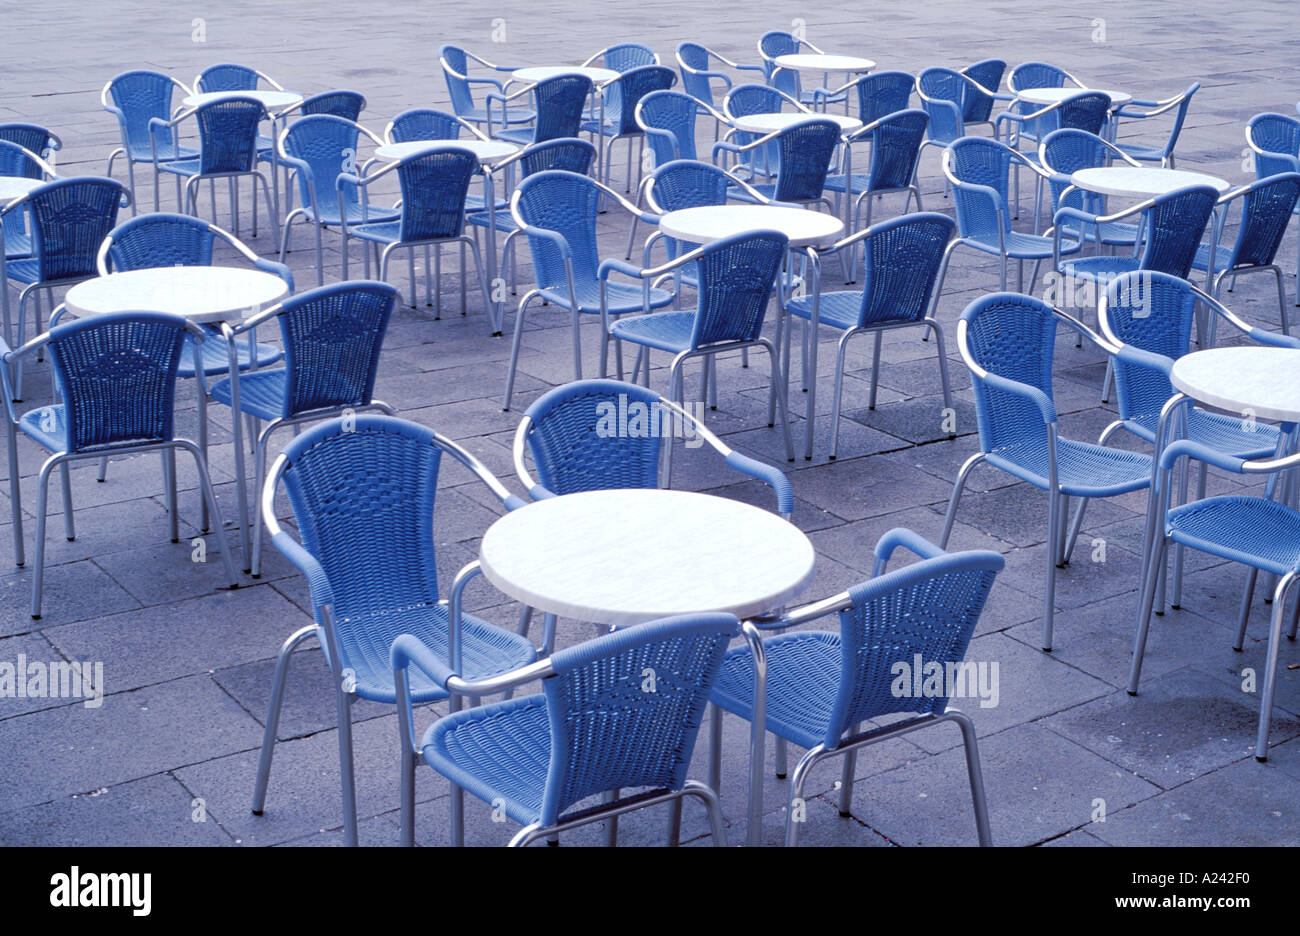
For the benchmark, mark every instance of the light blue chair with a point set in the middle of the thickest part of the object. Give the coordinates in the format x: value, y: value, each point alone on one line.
x: 1274, y: 139
x: 317, y: 150
x: 557, y: 212
x: 736, y: 277
x: 1163, y: 154
x: 1260, y: 533
x: 693, y: 62
x: 819, y: 689
x: 455, y: 69
x: 1063, y: 153
x: 363, y: 492
x: 906, y: 259
x: 979, y: 172
x: 592, y: 730
x: 332, y: 339
x: 623, y: 94
x: 115, y: 376
x: 1007, y: 341
x: 135, y: 98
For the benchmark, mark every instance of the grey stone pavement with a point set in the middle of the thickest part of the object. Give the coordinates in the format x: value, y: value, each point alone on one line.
x: 1069, y: 758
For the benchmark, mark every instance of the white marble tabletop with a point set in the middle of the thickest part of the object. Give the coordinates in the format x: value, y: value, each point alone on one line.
x: 488, y: 151
x: 1263, y: 383
x: 702, y: 225
x: 825, y: 63
x: 770, y: 123
x: 270, y: 99
x: 536, y: 73
x: 12, y: 187
x: 199, y: 293
x: 625, y: 557
x: 1141, y: 180
x: 1052, y: 95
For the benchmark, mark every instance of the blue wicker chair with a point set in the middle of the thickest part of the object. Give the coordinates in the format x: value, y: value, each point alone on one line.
x: 1163, y: 154
x: 135, y: 98
x: 697, y: 78
x: 988, y: 75
x: 228, y: 149
x: 804, y: 153
x: 19, y: 161
x: 557, y: 212
x: 979, y: 171
x: 317, y: 150
x: 332, y: 339
x: 1063, y: 153
x: 455, y: 69
x: 1266, y: 208
x: 623, y: 95
x: 558, y: 104
x: 736, y: 276
x: 895, y: 152
x: 435, y: 190
x: 538, y: 756
x: 69, y: 219
x: 1274, y: 139
x: 363, y: 494
x: 1007, y: 341
x: 116, y: 379
x: 906, y: 259
x: 772, y: 45
x: 818, y: 689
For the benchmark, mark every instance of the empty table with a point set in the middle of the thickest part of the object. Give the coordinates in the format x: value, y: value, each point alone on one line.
x: 536, y: 73
x: 624, y: 557
x: 820, y: 62
x: 771, y: 123
x: 1255, y: 382
x: 12, y: 187
x: 806, y: 229
x: 1047, y: 96
x: 1141, y: 180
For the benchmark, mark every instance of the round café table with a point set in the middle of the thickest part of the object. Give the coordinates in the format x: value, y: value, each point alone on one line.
x: 625, y: 557
x: 489, y: 152
x: 810, y: 230
x: 772, y: 123
x: 1047, y: 96
x: 1142, y: 181
x: 12, y: 187
x: 535, y: 73
x: 202, y: 294
x: 1258, y: 382
x: 818, y: 62
x: 275, y: 102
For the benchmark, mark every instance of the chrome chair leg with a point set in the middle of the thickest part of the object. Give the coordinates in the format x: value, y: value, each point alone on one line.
x: 273, y: 714
x: 1270, y: 671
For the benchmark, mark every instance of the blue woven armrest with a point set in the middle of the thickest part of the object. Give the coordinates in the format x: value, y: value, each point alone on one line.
x: 1147, y: 359
x: 279, y: 269
x: 554, y: 237
x: 1273, y: 339
x: 902, y: 536
x: 1189, y: 449
x: 408, y: 650
x: 621, y: 266
x: 1075, y: 213
x: 513, y: 502
x: 770, y: 474
x: 1038, y: 397
x: 987, y: 191
x: 321, y: 593
x: 723, y: 145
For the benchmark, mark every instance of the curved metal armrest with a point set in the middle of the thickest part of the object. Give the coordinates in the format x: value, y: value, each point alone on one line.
x: 1160, y: 107
x: 769, y: 474
x: 1069, y: 320
x: 508, y: 500
x: 615, y: 265
x: 912, y: 541
x: 408, y: 650
x: 321, y: 592
x: 1139, y: 357
x: 1087, y: 218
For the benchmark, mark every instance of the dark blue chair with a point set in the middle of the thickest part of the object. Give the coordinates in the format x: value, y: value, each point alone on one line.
x: 1063, y: 153
x: 332, y: 338
x: 537, y: 757
x: 1007, y: 341
x: 116, y: 380
x: 558, y: 104
x: 1274, y: 139
x: 988, y: 75
x: 624, y: 93
x: 362, y: 491
x: 804, y: 153
x: 895, y: 140
x: 20, y: 162
x: 821, y: 689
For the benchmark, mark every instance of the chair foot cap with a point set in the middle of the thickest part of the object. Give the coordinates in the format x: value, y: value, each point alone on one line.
x: 71, y: 539
x: 1130, y: 692
x: 1262, y: 760
x: 257, y: 812
x: 845, y: 815
x: 36, y: 617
